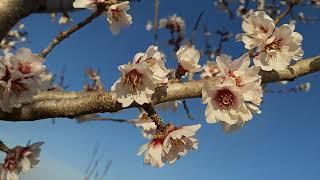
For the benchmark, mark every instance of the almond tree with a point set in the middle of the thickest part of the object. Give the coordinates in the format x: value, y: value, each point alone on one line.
x: 231, y: 89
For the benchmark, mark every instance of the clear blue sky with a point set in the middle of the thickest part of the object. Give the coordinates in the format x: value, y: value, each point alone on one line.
x: 280, y: 144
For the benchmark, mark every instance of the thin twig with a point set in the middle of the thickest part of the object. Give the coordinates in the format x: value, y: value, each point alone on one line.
x: 155, y: 23
x: 96, y: 117
x: 65, y: 34
x: 106, y: 170
x: 4, y: 148
x: 153, y: 115
x: 284, y: 14
x: 186, y: 108
x: 195, y: 27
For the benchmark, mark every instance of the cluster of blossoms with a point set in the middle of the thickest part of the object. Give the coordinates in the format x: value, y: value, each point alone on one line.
x: 235, y: 99
x: 188, y: 57
x: 169, y: 144
x: 174, y: 23
x: 140, y: 78
x: 147, y: 126
x: 20, y: 159
x: 275, y: 46
x: 116, y: 12
x: 14, y: 37
x: 21, y: 76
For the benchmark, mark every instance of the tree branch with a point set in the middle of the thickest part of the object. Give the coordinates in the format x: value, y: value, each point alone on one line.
x: 101, y: 102
x: 12, y: 11
x: 65, y: 34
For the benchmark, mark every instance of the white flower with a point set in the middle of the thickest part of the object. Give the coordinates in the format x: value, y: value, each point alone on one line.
x: 225, y: 103
x: 30, y: 155
x: 21, y: 76
x: 163, y: 23
x: 8, y: 175
x: 20, y: 159
x: 257, y: 27
x: 135, y: 84
x: 245, y: 77
x: 209, y: 70
x: 170, y: 145
x: 140, y: 78
x: 188, y: 57
x: 149, y: 26
x: 174, y: 23
x: 118, y: 17
x: 89, y: 4
x: 155, y: 60
x: 304, y: 87
x: 64, y: 19
x: 146, y: 124
x: 277, y: 52
x: 237, y: 96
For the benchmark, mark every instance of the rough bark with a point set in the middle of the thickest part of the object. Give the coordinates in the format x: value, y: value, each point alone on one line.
x: 12, y: 11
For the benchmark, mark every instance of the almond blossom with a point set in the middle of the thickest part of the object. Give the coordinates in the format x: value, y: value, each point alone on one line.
x: 135, y: 84
x: 257, y: 27
x: 139, y: 79
x: 146, y: 124
x: 156, y: 62
x: 209, y: 70
x: 237, y: 97
x: 169, y: 145
x: 117, y: 15
x: 21, y: 76
x: 20, y: 159
x: 88, y: 4
x: 188, y: 57
x: 278, y: 51
x: 149, y: 25
x: 174, y: 23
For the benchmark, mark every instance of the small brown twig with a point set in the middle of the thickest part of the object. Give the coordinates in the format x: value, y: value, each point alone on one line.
x: 155, y: 23
x: 186, y: 108
x: 95, y: 117
x: 4, y: 148
x: 153, y: 115
x: 285, y: 13
x: 65, y: 34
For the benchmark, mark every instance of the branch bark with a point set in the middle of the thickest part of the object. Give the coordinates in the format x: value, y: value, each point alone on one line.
x: 12, y: 11
x: 74, y: 104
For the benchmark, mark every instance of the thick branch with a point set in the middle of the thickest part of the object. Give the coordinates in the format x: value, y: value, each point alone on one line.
x: 100, y: 102
x: 12, y: 11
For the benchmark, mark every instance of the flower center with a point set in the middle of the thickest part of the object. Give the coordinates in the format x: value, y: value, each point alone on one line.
x: 133, y: 79
x: 263, y: 29
x: 225, y: 99
x: 10, y: 164
x: 24, y: 68
x: 116, y: 14
x: 273, y: 46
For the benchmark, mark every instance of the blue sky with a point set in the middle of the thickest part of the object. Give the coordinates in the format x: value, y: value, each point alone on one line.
x: 281, y: 143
